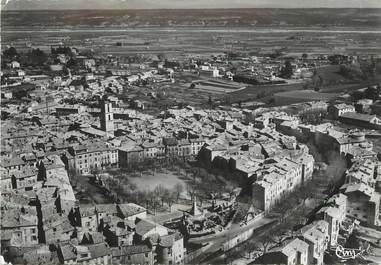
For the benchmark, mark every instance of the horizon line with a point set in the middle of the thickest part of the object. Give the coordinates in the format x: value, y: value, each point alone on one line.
x: 169, y: 8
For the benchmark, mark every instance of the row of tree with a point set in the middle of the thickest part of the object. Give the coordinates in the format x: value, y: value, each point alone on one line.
x: 34, y: 57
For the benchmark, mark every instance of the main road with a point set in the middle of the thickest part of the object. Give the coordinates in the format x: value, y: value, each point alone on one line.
x: 216, y: 241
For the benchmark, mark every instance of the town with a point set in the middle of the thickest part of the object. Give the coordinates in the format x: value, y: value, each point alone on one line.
x: 215, y: 158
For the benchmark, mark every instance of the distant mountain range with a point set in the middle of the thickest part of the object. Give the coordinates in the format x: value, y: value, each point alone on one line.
x: 320, y: 17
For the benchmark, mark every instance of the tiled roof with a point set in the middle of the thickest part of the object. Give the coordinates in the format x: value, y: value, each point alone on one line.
x: 130, y: 250
x: 130, y: 209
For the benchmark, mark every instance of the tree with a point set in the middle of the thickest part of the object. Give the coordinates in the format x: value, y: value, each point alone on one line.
x: 353, y: 72
x: 286, y: 71
x: 317, y: 81
x: 160, y: 191
x: 191, y: 190
x: 73, y: 176
x: 264, y: 242
x: 353, y: 241
x: 170, y: 198
x: 178, y: 190
x: 337, y: 59
x: 153, y: 201
x: 162, y: 57
x: 133, y: 186
x: 304, y: 56
x: 143, y: 197
x: 10, y: 53
x: 71, y: 63
x: 210, y: 102
x: 276, y: 54
x: 372, y: 92
x: 305, y: 192
x: 37, y: 57
x: 368, y: 69
x: 278, y: 235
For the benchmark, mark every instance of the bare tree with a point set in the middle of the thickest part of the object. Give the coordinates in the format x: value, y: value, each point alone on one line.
x: 264, y: 242
x: 191, y: 190
x: 170, y: 198
x: 178, y: 190
x: 153, y: 201
x: 73, y: 176
x: 160, y: 191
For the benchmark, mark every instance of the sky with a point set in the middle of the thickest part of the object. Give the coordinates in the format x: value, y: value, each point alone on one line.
x: 153, y: 4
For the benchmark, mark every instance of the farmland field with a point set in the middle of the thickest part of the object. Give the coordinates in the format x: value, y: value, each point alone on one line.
x: 204, y: 33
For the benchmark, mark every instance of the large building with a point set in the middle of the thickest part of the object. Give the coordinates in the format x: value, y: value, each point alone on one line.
x: 316, y: 235
x: 136, y: 254
x: 278, y: 181
x: 363, y: 203
x: 107, y: 117
x: 339, y: 109
x: 361, y: 120
x: 19, y: 228
x: 92, y: 156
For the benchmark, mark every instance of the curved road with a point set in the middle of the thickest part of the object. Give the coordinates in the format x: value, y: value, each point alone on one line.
x: 216, y: 241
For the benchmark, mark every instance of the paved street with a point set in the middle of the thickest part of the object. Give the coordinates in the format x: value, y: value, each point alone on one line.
x: 216, y: 241
x: 234, y: 230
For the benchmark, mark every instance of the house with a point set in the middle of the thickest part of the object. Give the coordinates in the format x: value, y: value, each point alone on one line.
x: 92, y: 238
x: 196, y: 145
x: 363, y: 203
x: 57, y: 177
x: 57, y: 229
x: 88, y: 219
x: 14, y: 64
x: 261, y: 121
x: 171, y: 146
x: 47, y: 198
x: 362, y: 171
x: 210, y: 72
x: 93, y: 155
x: 12, y: 163
x: 78, y: 84
x: 363, y: 105
x: 19, y: 228
x: 334, y: 214
x: 376, y: 108
x: 84, y: 254
x: 131, y: 211
x: 361, y: 120
x: 170, y: 249
x: 129, y: 255
x: 317, y: 237
x: 144, y: 228
x: 105, y: 210
x: 24, y: 179
x: 50, y: 168
x: 118, y: 232
x: 339, y: 109
x: 39, y: 255
x: 130, y: 155
x: 293, y: 251
x: 5, y: 180
x: 88, y: 63
x: 274, y: 184
x: 152, y: 150
x: 20, y: 73
x: 6, y: 94
x: 67, y: 254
